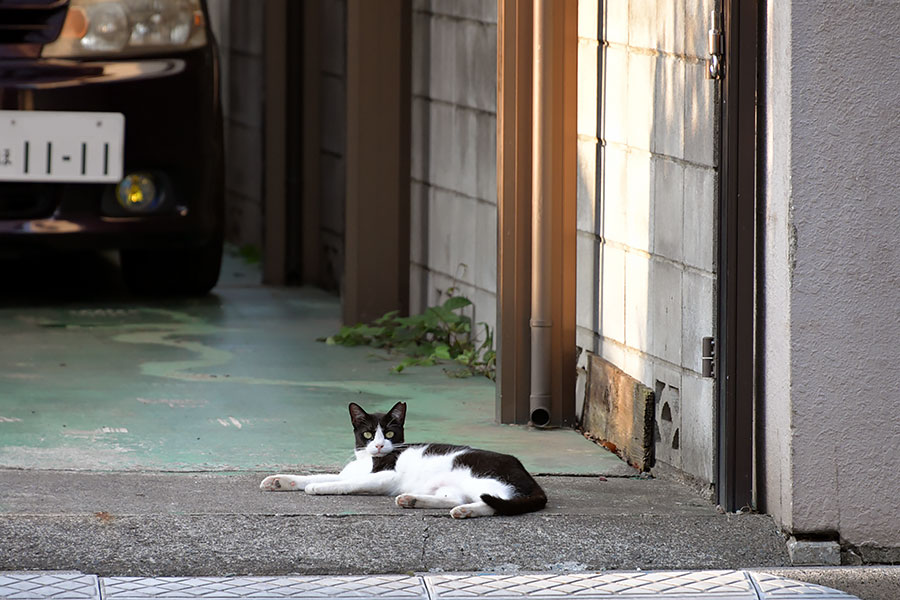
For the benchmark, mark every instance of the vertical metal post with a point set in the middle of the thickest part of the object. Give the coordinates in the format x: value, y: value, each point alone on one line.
x: 735, y: 349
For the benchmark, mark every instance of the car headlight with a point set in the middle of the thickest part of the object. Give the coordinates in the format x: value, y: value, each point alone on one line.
x: 97, y: 27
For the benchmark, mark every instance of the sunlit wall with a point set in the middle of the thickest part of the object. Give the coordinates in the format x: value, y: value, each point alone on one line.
x: 454, y: 155
x: 646, y: 220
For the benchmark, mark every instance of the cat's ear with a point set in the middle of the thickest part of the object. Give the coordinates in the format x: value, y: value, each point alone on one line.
x: 357, y: 414
x: 398, y: 413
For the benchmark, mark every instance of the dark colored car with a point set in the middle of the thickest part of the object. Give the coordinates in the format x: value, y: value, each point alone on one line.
x: 111, y: 135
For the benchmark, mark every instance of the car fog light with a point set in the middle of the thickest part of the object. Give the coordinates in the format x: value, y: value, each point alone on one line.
x: 137, y: 193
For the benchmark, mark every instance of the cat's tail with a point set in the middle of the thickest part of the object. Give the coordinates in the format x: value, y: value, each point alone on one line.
x: 517, y: 505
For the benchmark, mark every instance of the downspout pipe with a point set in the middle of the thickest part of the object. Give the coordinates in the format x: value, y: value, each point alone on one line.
x: 541, y: 212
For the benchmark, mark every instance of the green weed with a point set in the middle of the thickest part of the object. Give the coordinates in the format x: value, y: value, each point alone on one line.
x: 439, y: 335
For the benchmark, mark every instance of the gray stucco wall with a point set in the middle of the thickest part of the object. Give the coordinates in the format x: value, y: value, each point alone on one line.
x: 833, y: 204
x: 776, y: 243
x: 454, y: 154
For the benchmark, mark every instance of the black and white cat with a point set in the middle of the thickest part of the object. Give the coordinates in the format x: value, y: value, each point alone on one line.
x: 473, y: 483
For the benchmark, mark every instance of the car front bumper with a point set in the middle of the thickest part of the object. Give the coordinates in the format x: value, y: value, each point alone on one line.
x: 172, y: 129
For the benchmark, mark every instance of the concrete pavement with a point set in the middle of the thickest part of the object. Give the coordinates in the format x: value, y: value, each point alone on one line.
x: 598, y: 537
x: 219, y: 524
x: 235, y: 381
x: 866, y: 583
x: 133, y: 436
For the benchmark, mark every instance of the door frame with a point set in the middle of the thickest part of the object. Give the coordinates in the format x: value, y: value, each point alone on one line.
x: 736, y: 340
x: 275, y: 143
x: 291, y: 120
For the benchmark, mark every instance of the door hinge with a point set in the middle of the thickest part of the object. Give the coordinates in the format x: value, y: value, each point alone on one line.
x: 709, y: 357
x: 715, y: 64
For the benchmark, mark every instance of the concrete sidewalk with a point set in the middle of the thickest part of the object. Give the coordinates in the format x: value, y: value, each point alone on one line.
x: 205, y: 524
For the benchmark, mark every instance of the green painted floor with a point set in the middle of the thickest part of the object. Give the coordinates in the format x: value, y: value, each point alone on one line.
x: 234, y: 381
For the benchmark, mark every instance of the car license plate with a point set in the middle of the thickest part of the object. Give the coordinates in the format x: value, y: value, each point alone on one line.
x: 61, y: 146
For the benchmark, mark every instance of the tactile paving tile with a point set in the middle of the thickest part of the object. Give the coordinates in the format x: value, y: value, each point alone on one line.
x: 773, y: 587
x: 384, y: 587
x: 665, y: 585
x: 672, y: 585
x: 58, y: 586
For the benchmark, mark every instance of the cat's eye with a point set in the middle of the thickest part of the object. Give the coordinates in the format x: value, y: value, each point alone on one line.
x: 367, y: 435
x: 389, y: 434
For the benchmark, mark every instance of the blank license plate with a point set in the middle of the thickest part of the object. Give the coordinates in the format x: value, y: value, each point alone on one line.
x: 61, y: 146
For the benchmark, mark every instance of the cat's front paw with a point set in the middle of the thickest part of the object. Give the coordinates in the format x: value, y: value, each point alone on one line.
x: 278, y: 483
x: 313, y: 488
x: 406, y: 501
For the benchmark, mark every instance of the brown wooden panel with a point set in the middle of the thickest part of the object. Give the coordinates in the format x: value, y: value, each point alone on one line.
x: 565, y: 41
x: 619, y: 412
x: 514, y: 181
x: 376, y: 278
x: 514, y: 209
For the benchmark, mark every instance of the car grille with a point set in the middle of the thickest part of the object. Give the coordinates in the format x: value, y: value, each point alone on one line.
x: 31, y: 21
x: 27, y: 200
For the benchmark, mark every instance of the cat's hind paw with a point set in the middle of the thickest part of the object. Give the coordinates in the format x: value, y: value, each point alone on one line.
x: 278, y: 483
x: 462, y: 512
x: 406, y: 501
x: 475, y: 509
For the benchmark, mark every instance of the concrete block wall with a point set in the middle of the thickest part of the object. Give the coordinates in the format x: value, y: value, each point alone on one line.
x: 454, y: 141
x: 646, y: 210
x: 238, y: 27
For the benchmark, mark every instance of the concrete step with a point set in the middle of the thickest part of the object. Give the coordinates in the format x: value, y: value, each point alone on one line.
x: 144, y: 524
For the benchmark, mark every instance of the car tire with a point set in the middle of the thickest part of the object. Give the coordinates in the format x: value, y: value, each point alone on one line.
x: 188, y: 271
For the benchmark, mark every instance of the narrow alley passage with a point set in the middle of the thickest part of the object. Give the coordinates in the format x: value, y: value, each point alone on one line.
x: 233, y: 381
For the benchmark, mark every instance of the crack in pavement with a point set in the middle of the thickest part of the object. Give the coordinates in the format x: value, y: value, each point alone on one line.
x: 425, y: 536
